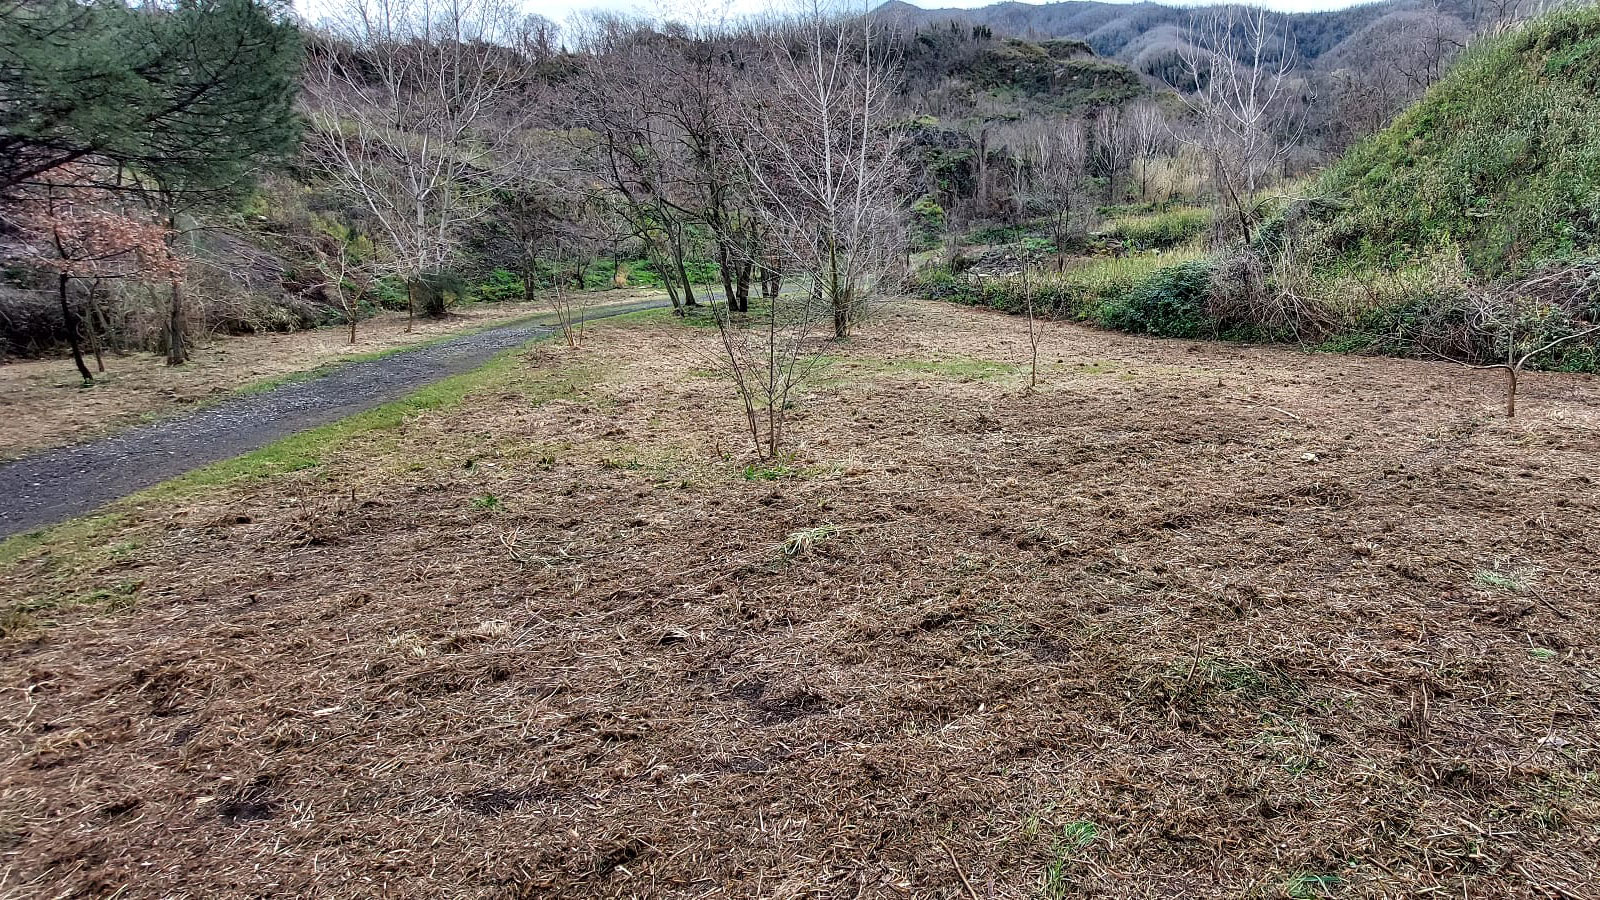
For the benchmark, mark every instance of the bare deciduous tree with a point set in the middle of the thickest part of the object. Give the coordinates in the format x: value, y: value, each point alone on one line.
x: 400, y: 111
x: 1060, y: 155
x: 623, y: 140
x: 1149, y: 133
x: 1115, y: 146
x: 823, y: 161
x: 1036, y: 326
x: 1248, y: 105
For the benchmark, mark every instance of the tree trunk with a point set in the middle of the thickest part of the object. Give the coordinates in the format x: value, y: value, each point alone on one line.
x: 683, y: 274
x: 742, y: 286
x: 70, y: 319
x: 1511, y: 392
x: 94, y: 321
x: 729, y: 298
x: 177, y: 352
x: 411, y: 303
x: 771, y: 283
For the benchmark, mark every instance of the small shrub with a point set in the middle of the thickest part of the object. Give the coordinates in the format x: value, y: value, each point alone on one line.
x: 1170, y: 303
x: 939, y: 283
x: 501, y: 286
x: 928, y: 221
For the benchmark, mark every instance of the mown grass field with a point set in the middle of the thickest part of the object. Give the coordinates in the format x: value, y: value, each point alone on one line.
x: 1191, y: 619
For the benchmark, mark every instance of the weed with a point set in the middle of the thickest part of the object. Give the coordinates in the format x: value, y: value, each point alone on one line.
x: 1309, y: 886
x: 1067, y: 849
x: 801, y: 543
x: 771, y: 472
x: 486, y: 502
x: 1498, y: 581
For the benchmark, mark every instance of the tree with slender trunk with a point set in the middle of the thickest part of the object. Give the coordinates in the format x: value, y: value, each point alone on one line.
x: 1059, y: 152
x: 1248, y: 106
x: 400, y: 106
x: 1511, y: 319
x: 824, y: 164
x: 1149, y: 132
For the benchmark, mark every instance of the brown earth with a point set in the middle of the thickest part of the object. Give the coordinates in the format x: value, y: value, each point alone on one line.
x: 1191, y: 620
x: 44, y: 403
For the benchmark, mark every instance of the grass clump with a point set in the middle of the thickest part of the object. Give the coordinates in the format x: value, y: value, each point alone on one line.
x: 1161, y: 230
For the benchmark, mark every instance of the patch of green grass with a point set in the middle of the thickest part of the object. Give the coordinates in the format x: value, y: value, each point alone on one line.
x: 309, y: 448
x: 1064, y: 854
x: 1352, y: 342
x: 487, y: 502
x: 1310, y: 886
x: 1199, y: 684
x: 1498, y: 581
x: 771, y: 472
x: 1161, y: 230
x: 65, y: 540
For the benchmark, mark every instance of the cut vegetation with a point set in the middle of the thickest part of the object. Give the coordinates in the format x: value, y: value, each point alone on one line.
x: 1252, y: 621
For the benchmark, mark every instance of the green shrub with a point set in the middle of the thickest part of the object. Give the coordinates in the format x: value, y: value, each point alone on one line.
x: 928, y: 223
x: 500, y: 286
x: 994, y: 234
x: 389, y: 293
x: 939, y: 283
x: 1170, y: 303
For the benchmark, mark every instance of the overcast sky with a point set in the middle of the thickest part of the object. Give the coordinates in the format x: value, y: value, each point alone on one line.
x: 560, y: 9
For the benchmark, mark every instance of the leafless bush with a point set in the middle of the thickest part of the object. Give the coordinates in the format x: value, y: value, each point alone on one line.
x: 768, y: 354
x: 1522, y: 321
x: 1274, y: 300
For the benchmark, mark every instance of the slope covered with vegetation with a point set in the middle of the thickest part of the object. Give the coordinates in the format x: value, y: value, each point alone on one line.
x: 1500, y: 162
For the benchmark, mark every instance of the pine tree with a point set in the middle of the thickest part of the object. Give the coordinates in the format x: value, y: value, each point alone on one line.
x: 185, y: 97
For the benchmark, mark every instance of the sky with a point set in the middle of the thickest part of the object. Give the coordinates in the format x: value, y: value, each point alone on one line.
x: 558, y: 10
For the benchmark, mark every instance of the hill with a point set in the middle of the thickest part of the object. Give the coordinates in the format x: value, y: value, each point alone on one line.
x: 1499, y: 163
x: 1140, y: 33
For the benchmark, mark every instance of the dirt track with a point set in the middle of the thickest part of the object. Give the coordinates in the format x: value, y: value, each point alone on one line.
x: 1191, y: 620
x: 54, y: 485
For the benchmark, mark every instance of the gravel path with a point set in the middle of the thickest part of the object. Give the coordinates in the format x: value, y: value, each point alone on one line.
x: 55, y: 485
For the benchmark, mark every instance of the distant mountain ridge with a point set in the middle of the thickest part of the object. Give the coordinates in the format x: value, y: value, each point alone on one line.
x: 1132, y: 31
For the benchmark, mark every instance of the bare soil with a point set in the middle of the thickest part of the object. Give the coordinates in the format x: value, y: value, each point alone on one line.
x: 1190, y: 620
x: 44, y: 403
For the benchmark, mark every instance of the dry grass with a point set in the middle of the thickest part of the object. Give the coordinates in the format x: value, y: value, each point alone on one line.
x: 1191, y: 620
x: 44, y: 404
